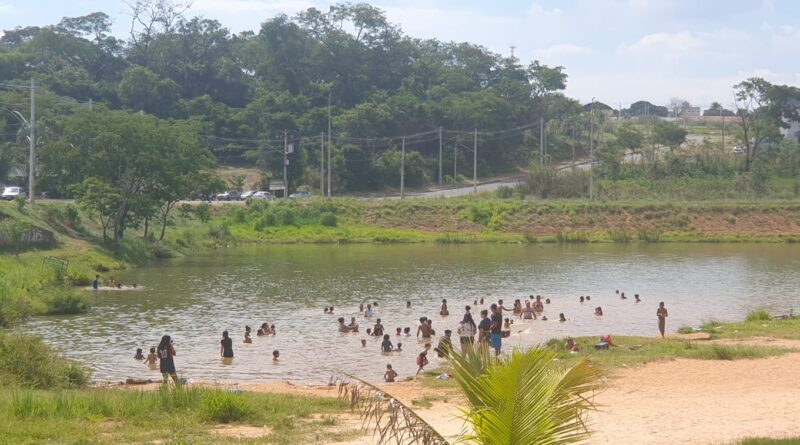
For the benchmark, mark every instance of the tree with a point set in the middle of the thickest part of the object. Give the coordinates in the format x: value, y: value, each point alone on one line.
x: 763, y: 109
x: 100, y: 199
x: 669, y: 134
x: 142, y: 90
x: 140, y: 157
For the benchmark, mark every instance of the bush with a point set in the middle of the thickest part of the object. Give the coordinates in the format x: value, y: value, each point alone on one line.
x: 72, y: 216
x: 504, y: 192
x: 328, y: 219
x: 64, y: 301
x: 78, y: 278
x: 685, y: 330
x: 759, y: 315
x: 20, y: 203
x: 548, y: 182
x: 219, y: 232
x: 28, y: 362
x: 203, y: 212
x: 224, y: 407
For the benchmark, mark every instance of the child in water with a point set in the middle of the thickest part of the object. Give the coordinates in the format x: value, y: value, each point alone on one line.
x: 275, y: 355
x: 139, y: 355
x: 247, y: 338
x: 444, y: 312
x: 389, y: 375
x: 399, y: 348
x: 422, y: 358
x: 386, y: 345
x: 363, y: 343
x: 152, y: 358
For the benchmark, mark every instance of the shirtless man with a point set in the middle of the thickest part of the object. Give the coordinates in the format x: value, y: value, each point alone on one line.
x: 662, y: 314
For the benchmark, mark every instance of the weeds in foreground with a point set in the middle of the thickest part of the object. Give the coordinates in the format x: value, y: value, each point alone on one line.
x: 758, y: 315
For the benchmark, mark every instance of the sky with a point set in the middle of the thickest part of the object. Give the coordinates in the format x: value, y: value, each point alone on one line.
x: 617, y: 51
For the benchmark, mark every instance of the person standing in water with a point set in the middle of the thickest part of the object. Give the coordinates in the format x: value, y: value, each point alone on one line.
x: 96, y: 282
x: 226, y: 346
x: 662, y: 314
x: 166, y: 359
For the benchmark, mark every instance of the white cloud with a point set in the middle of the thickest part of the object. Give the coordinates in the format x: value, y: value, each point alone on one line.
x: 10, y: 9
x: 676, y: 44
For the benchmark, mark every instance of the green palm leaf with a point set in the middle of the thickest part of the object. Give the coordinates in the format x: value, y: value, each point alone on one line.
x: 525, y: 399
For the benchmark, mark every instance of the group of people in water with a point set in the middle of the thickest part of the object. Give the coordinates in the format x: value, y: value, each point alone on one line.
x: 488, y: 332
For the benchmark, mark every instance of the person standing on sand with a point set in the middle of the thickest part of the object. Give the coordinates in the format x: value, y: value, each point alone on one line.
x: 662, y: 314
x: 166, y: 359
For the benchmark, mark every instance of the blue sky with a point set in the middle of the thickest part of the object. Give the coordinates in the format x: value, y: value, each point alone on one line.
x: 616, y: 50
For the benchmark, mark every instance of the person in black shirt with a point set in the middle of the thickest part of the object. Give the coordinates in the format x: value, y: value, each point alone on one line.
x: 496, y: 331
x: 226, y: 346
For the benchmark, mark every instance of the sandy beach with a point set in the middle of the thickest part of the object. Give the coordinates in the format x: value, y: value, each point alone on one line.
x: 668, y: 402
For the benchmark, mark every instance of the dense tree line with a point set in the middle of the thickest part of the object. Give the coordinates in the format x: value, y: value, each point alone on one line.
x: 239, y: 95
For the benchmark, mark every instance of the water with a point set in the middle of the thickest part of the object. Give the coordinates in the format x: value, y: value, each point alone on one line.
x: 195, y: 298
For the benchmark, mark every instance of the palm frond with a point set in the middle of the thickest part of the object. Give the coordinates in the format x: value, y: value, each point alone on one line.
x: 391, y: 420
x: 524, y: 399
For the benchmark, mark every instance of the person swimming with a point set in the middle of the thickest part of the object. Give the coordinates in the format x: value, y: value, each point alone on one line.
x: 636, y: 298
x: 570, y: 345
x: 139, y: 354
x: 528, y: 312
x: 343, y: 329
x: 408, y: 304
x: 247, y: 338
x: 561, y: 317
x: 622, y: 296
x: 325, y: 311
x: 581, y: 299
x: 598, y: 311
x: 368, y: 312
x: 353, y: 326
x: 152, y: 358
x: 547, y: 301
x: 399, y: 348
x: 398, y: 332
x: 363, y: 343
x: 386, y: 344
x: 443, y: 311
x: 377, y: 330
x: 263, y: 330
x: 588, y: 298
x: 275, y: 355
x: 407, y: 331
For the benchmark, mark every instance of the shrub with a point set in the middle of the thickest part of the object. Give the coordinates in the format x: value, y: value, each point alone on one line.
x: 328, y: 219
x: 685, y: 330
x: 160, y: 251
x: 219, y: 232
x: 78, y: 278
x: 224, y: 407
x: 28, y: 362
x: 20, y: 203
x: 203, y: 212
x: 759, y: 315
x: 649, y: 235
x: 72, y: 216
x: 504, y: 192
x: 64, y: 301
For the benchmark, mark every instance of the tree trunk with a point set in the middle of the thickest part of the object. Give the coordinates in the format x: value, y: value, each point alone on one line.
x: 119, y: 222
x: 164, y: 215
x: 146, y: 226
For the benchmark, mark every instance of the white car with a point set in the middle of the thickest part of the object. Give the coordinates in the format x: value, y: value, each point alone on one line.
x: 264, y: 196
x: 739, y: 149
x: 248, y: 194
x: 11, y: 193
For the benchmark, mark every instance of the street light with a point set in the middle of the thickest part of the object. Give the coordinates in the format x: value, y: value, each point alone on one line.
x: 591, y: 149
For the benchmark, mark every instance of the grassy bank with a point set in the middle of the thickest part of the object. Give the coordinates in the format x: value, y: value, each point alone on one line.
x: 183, y: 415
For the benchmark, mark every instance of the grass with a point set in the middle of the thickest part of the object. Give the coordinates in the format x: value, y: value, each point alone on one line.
x: 767, y: 441
x: 779, y: 328
x: 632, y: 351
x: 182, y: 415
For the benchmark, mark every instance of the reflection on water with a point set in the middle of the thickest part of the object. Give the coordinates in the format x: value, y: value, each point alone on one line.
x: 194, y: 299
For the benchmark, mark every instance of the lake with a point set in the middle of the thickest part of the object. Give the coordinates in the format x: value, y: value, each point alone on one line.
x: 195, y: 298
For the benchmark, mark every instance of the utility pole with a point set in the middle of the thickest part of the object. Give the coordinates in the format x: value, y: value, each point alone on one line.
x: 285, y: 164
x: 33, y: 141
x: 322, y: 164
x: 722, y: 113
x: 475, y: 164
x: 574, y: 142
x: 591, y: 150
x: 455, y: 160
x: 329, y: 143
x: 403, y: 170
x: 440, y: 155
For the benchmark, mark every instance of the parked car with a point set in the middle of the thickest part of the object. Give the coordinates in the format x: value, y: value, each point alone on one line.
x: 231, y: 195
x: 247, y: 194
x: 300, y: 194
x: 265, y: 196
x: 739, y: 149
x: 11, y: 193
